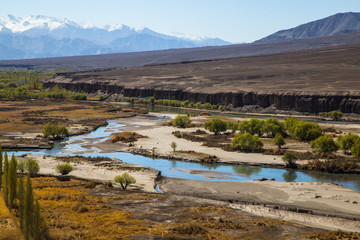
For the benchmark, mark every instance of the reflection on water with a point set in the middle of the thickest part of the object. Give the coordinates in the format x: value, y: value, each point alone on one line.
x: 86, y: 146
x: 289, y: 175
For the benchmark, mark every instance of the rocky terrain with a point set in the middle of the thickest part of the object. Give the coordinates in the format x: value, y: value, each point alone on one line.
x: 305, y: 81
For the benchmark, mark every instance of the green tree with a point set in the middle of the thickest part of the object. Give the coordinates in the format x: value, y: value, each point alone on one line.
x: 6, y: 178
x: 37, y: 221
x: 207, y: 105
x: 233, y: 126
x: 186, y: 103
x: 336, y: 115
x: 152, y: 100
x: 173, y: 145
x: 181, y: 121
x: 307, y: 131
x: 324, y: 144
x: 290, y: 124
x: 28, y: 208
x: 32, y: 166
x: 355, y: 149
x: 247, y: 142
x: 12, y: 180
x: 191, y: 104
x: 279, y: 140
x: 273, y: 126
x: 21, y: 166
x: 20, y: 196
x: 290, y: 159
x: 215, y: 125
x: 198, y: 105
x: 125, y: 179
x: 55, y: 131
x: 64, y: 168
x: 347, y: 142
x: 253, y: 126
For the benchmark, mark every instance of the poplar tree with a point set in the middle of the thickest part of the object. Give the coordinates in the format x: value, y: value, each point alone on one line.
x: 28, y: 208
x: 21, y: 201
x: 5, y: 177
x: 1, y: 165
x: 12, y: 179
x: 36, y: 221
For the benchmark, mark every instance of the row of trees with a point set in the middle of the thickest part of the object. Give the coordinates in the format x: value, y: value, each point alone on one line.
x: 173, y: 103
x: 20, y: 198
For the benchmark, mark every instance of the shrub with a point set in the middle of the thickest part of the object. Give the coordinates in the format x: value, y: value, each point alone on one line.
x: 246, y: 142
x: 336, y: 115
x: 173, y: 145
x: 233, y: 126
x: 207, y: 105
x: 355, y: 149
x: 152, y: 100
x: 125, y: 179
x: 181, y: 121
x: 186, y: 103
x: 279, y: 140
x: 324, y: 144
x: 177, y: 134
x: 198, y: 105
x: 307, y: 131
x: 64, y: 168
x: 215, y: 125
x: 32, y: 166
x: 273, y: 126
x: 290, y: 124
x: 346, y: 142
x: 290, y: 159
x: 56, y: 131
x: 253, y: 126
x: 101, y: 98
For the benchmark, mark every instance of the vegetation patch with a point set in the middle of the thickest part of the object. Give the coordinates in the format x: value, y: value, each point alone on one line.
x: 126, y: 137
x: 203, y: 157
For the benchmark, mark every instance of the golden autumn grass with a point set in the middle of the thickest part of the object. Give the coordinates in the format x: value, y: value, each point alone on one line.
x: 30, y: 116
x: 80, y: 209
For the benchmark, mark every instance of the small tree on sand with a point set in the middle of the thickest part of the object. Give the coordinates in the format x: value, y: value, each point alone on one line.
x: 173, y: 145
x: 279, y: 140
x: 63, y: 168
x: 125, y: 179
x: 290, y: 159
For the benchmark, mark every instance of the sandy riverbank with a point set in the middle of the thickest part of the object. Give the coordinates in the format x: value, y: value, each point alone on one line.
x: 322, y: 205
x: 102, y: 171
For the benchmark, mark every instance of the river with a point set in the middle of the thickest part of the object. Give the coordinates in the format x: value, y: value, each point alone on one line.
x: 86, y: 145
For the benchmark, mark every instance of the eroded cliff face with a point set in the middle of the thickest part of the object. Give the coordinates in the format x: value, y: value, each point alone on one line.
x: 301, y: 102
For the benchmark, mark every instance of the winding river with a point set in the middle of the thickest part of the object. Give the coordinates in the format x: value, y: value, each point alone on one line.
x: 86, y: 145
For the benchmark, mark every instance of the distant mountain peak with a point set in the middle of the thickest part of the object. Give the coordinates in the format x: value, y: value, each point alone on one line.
x: 42, y: 36
x: 339, y: 23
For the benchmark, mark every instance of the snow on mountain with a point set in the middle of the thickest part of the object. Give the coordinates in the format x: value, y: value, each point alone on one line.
x: 41, y: 36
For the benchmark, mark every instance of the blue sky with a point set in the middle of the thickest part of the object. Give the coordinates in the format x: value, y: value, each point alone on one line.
x: 231, y: 20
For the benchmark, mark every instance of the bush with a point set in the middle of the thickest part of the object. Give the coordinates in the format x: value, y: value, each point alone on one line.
x: 216, y: 125
x: 273, y: 126
x: 21, y: 166
x: 279, y: 140
x: 290, y: 124
x: 152, y: 100
x: 307, y: 131
x: 253, y: 126
x: 355, y: 149
x: 198, y: 105
x: 125, y: 179
x: 336, y: 115
x: 32, y: 166
x: 181, y: 121
x: 177, y: 134
x: 290, y: 159
x: 246, y: 142
x: 347, y: 142
x: 63, y: 168
x: 233, y: 126
x: 324, y: 144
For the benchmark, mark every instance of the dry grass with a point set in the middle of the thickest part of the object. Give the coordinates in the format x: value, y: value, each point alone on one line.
x: 8, y: 230
x: 126, y: 137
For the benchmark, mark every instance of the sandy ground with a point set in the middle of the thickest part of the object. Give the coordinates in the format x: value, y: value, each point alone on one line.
x: 145, y: 177
x: 161, y: 137
x: 321, y: 205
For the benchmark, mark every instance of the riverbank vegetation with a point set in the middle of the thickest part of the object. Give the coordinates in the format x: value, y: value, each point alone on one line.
x: 25, y: 84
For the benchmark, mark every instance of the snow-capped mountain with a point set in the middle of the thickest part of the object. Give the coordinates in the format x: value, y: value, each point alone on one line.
x: 41, y: 36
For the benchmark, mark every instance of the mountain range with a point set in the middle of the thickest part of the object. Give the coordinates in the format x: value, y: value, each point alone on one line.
x: 41, y: 36
x: 341, y: 23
